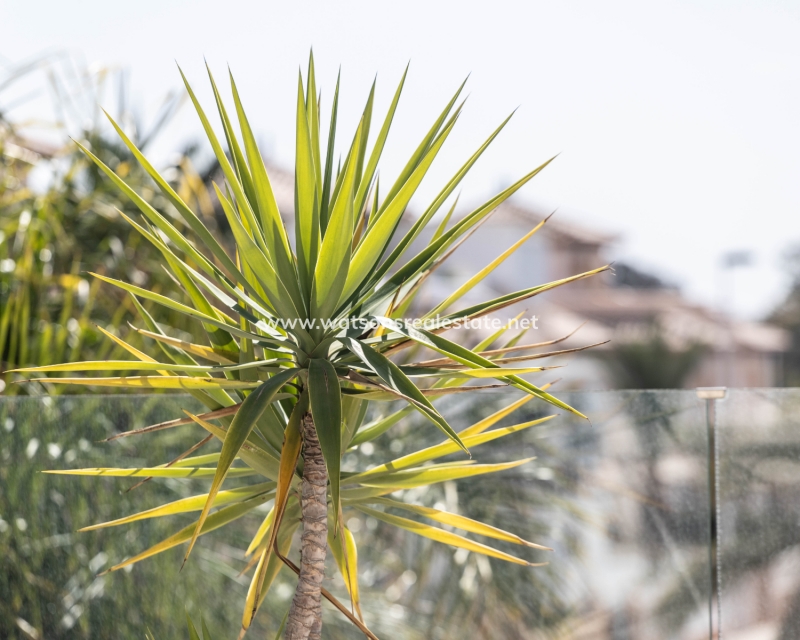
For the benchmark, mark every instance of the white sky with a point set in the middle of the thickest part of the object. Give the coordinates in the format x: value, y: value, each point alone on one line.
x: 677, y: 122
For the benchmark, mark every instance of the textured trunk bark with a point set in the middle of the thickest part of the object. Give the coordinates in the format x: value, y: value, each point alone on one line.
x: 305, y: 615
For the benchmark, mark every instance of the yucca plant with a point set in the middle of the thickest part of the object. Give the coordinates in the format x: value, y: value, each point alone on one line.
x: 301, y: 338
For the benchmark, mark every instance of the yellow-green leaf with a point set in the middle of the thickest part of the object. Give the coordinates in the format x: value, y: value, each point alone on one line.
x: 261, y: 533
x: 410, y: 478
x: 251, y: 453
x: 290, y: 454
x: 307, y: 231
x: 334, y: 256
x: 345, y: 553
x: 214, y: 521
x: 325, y: 399
x: 241, y: 426
x: 446, y: 448
x: 442, y: 536
x: 158, y: 472
x: 480, y: 373
x: 459, y: 522
x: 195, y: 503
x: 157, y: 382
x: 467, y: 357
x: 474, y: 280
x: 395, y: 380
x: 378, y: 235
x: 265, y: 575
x: 497, y: 416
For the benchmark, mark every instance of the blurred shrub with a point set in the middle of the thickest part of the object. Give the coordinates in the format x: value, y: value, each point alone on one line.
x: 650, y: 361
x: 51, y: 237
x: 787, y: 315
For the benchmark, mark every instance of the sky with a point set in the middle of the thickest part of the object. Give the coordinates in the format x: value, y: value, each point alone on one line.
x: 676, y: 123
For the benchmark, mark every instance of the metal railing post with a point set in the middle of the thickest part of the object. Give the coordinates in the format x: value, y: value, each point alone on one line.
x: 711, y: 395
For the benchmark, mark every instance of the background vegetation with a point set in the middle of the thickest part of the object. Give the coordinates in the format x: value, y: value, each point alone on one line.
x: 51, y: 235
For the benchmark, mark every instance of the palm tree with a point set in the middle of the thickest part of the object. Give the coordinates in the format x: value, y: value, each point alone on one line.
x: 301, y: 339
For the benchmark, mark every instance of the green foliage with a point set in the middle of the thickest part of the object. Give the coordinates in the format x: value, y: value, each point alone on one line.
x: 320, y: 316
x: 49, y: 240
x: 49, y: 571
x: 651, y: 363
x: 787, y: 315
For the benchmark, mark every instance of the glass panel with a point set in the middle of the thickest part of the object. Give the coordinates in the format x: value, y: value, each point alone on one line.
x: 622, y: 502
x: 759, y: 443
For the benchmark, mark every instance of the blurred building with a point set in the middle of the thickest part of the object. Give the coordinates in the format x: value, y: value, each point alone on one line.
x: 625, y: 307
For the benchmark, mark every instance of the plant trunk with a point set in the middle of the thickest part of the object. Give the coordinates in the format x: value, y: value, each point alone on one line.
x: 305, y: 615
